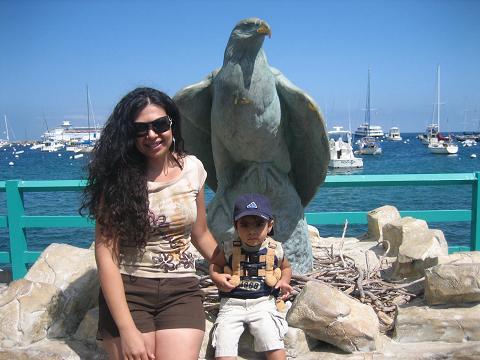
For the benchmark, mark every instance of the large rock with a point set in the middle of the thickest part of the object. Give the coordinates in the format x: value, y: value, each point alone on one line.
x: 416, y: 253
x: 452, y: 283
x: 402, y: 230
x: 467, y: 257
x: 52, y: 299
x: 327, y: 314
x: 298, y: 343
x: 377, y: 218
x: 440, y: 323
x: 73, y: 272
x: 27, y: 311
x: 53, y: 349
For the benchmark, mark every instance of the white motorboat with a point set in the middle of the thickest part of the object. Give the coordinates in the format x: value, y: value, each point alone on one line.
x: 37, y: 146
x: 469, y: 142
x: 83, y: 149
x: 51, y: 146
x: 341, y: 150
x: 394, y: 134
x: 430, y: 132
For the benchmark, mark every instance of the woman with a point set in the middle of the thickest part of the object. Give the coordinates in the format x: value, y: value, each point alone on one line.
x: 147, y: 197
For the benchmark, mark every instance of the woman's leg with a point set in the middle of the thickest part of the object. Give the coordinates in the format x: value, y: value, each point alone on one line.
x: 113, y: 346
x: 178, y: 344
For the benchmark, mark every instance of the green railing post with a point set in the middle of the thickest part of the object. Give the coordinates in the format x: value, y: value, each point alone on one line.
x: 18, y: 241
x: 475, y: 228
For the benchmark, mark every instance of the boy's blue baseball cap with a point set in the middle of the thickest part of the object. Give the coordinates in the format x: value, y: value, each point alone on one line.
x: 252, y: 204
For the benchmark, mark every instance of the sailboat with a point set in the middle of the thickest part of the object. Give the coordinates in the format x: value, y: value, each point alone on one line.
x: 437, y: 144
x: 367, y: 145
x: 7, y: 140
x: 86, y: 146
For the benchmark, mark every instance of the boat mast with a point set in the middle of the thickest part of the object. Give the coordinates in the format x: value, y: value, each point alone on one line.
x: 6, y: 127
x: 438, y: 98
x: 88, y: 115
x: 367, y: 105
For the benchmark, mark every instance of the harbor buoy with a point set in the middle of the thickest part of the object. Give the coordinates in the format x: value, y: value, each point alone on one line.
x: 78, y: 156
x: 11, y: 163
x: 473, y: 156
x: 16, y: 156
x: 59, y: 154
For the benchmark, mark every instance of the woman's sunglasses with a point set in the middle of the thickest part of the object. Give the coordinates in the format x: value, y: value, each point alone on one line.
x: 159, y: 125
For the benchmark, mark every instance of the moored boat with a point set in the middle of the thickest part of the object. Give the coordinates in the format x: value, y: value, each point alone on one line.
x: 439, y: 144
x: 341, y: 150
x: 394, y: 134
x: 369, y: 130
x: 442, y: 147
x: 368, y: 146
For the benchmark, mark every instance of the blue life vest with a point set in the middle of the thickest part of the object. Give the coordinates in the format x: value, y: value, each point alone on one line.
x: 252, y: 285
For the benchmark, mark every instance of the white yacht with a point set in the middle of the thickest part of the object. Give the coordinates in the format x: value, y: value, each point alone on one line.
x: 341, y: 151
x: 430, y: 133
x: 51, y: 146
x: 369, y: 130
x: 68, y: 133
x: 394, y: 134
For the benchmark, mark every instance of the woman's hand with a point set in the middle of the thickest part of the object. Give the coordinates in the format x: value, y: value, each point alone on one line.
x: 133, y: 345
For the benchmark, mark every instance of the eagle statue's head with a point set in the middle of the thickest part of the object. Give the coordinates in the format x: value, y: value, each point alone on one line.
x: 247, y: 37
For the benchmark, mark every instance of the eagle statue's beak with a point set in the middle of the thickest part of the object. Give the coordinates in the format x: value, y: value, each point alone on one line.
x: 264, y: 29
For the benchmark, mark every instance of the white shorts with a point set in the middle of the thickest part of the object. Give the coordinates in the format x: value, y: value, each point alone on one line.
x: 264, y: 322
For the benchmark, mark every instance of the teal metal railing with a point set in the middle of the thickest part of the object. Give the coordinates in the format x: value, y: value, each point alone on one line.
x: 17, y: 222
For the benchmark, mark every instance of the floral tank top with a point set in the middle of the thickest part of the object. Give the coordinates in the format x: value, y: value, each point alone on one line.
x: 173, y: 208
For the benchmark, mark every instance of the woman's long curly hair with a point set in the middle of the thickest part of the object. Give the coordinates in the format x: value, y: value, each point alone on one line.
x: 116, y: 193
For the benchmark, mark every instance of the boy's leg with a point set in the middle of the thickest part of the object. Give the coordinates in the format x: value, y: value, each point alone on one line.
x: 276, y: 354
x: 228, y: 328
x: 268, y: 327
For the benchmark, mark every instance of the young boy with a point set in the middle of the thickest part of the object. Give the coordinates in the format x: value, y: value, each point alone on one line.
x: 256, y: 271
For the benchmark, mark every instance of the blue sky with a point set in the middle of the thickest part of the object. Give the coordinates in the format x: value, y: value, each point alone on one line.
x: 50, y: 51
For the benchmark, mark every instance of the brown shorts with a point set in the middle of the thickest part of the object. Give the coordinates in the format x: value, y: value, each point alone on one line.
x: 156, y: 304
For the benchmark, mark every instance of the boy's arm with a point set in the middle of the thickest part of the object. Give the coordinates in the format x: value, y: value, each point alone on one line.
x: 284, y: 283
x: 216, y: 273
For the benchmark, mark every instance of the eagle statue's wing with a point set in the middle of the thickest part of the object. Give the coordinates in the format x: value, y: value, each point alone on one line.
x: 306, y: 136
x: 195, y: 103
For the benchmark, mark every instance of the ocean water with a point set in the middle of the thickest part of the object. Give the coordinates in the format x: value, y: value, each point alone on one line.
x: 397, y: 158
